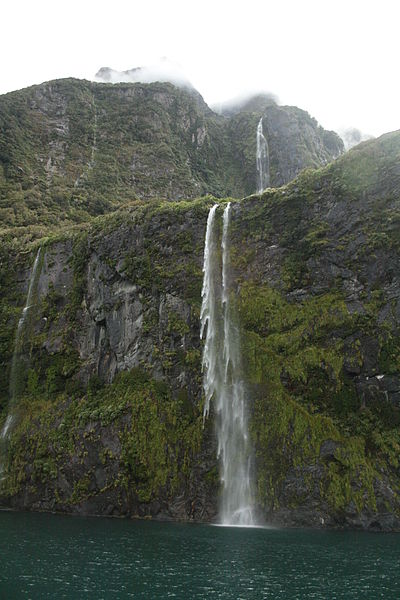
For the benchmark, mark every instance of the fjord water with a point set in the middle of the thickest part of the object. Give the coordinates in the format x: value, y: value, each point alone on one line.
x: 48, y: 556
x: 223, y: 382
x: 262, y: 159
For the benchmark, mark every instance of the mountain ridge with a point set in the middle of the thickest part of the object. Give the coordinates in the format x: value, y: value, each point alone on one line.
x: 71, y: 149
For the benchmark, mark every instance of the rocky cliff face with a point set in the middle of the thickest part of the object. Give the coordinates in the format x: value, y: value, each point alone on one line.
x: 118, y: 317
x: 72, y: 149
x: 294, y: 138
x: 110, y: 421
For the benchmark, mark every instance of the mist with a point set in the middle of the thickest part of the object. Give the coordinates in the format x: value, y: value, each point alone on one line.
x: 351, y: 137
x: 338, y: 62
x: 252, y: 99
x: 164, y: 70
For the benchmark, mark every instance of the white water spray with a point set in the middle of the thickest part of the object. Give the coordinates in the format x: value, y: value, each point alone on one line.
x: 262, y: 158
x: 18, y: 349
x: 210, y: 313
x: 223, y: 380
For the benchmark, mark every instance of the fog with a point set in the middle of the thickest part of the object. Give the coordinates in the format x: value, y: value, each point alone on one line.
x: 162, y: 70
x: 352, y: 137
x: 337, y: 60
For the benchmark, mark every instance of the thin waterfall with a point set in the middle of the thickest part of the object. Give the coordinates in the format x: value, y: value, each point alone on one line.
x: 209, y: 314
x: 262, y: 159
x: 223, y: 381
x: 232, y: 428
x: 17, y: 363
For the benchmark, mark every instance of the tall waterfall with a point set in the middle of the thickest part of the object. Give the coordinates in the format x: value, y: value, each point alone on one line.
x: 262, y: 156
x: 222, y: 378
x: 18, y: 364
x: 210, y: 313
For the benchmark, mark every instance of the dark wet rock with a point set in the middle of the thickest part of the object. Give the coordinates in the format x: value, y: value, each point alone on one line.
x: 316, y: 269
x: 327, y: 450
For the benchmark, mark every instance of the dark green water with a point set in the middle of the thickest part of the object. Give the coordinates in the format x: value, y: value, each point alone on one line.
x: 46, y: 556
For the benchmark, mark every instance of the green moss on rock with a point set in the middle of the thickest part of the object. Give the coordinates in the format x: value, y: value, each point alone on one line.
x: 158, y: 439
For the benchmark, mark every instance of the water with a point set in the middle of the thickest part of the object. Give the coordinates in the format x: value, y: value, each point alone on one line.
x: 234, y: 449
x: 262, y: 159
x: 19, y: 336
x: 48, y: 557
x: 18, y: 365
x: 6, y: 427
x: 223, y: 379
x: 209, y: 314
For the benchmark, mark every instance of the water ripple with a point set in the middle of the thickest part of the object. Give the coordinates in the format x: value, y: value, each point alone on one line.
x: 47, y: 556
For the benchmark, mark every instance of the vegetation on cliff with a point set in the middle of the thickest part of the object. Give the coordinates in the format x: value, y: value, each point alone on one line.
x: 109, y: 414
x: 129, y: 437
x: 72, y: 149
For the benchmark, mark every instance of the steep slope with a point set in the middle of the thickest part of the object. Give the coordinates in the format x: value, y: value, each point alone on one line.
x: 72, y: 149
x: 109, y: 420
x: 296, y: 140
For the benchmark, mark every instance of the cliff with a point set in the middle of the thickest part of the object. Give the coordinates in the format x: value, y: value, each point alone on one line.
x: 72, y: 149
x: 110, y: 412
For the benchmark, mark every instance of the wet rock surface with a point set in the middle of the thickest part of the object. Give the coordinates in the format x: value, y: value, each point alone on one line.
x: 316, y: 268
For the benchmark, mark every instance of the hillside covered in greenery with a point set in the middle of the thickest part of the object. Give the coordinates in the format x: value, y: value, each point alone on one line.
x: 72, y: 149
x: 109, y: 390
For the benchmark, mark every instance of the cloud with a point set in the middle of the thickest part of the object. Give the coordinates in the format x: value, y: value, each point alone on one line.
x: 163, y: 70
x: 352, y: 136
x: 249, y: 101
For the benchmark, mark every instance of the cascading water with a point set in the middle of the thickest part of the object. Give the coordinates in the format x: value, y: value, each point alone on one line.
x: 262, y: 157
x: 222, y: 379
x: 209, y: 315
x: 232, y: 427
x: 17, y: 364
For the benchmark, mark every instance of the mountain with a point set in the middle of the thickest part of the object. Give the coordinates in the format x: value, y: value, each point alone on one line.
x: 109, y: 414
x: 72, y: 149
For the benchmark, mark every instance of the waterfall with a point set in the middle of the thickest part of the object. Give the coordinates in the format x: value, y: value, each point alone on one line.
x: 18, y: 365
x: 222, y: 378
x: 209, y: 316
x: 262, y: 159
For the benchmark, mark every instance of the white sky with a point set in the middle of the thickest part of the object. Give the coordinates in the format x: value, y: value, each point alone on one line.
x: 337, y: 59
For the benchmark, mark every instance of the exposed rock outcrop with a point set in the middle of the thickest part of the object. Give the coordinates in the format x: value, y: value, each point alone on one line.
x: 72, y: 149
x: 111, y: 419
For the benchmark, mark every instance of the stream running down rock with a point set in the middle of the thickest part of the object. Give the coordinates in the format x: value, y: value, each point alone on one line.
x: 17, y: 365
x: 262, y: 158
x: 223, y: 382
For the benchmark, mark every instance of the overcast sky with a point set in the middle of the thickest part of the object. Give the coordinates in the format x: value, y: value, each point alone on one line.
x: 338, y: 59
